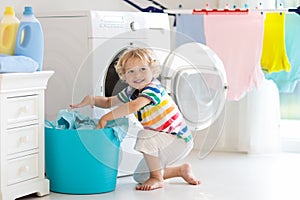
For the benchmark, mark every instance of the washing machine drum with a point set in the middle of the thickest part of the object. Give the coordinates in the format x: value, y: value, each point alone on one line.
x: 195, y: 77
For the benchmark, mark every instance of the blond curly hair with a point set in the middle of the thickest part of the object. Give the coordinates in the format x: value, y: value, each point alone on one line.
x: 143, y: 54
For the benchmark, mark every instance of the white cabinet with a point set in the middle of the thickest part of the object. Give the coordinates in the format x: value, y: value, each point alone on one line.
x: 22, y: 170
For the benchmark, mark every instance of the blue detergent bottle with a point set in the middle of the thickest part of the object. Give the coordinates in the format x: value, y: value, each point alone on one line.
x: 30, y: 37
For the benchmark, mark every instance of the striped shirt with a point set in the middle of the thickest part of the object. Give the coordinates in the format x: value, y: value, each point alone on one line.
x: 161, y: 114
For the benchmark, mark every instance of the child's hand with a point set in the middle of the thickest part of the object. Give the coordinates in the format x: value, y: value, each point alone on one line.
x: 101, y: 123
x: 88, y: 100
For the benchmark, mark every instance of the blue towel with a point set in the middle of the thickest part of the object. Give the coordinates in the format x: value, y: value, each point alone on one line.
x: 190, y: 28
x: 120, y: 127
x: 10, y: 64
x: 75, y: 120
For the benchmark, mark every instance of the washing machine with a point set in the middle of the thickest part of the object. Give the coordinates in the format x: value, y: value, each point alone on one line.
x: 82, y: 48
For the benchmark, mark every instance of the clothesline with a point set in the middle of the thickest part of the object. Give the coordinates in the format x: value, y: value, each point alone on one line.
x: 158, y: 8
x: 163, y: 9
x: 228, y: 11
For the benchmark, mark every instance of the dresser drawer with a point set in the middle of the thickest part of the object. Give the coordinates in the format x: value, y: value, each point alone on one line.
x: 22, y: 139
x: 22, y: 169
x: 21, y: 109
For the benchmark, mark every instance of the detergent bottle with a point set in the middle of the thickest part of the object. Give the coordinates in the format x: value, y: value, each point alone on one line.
x: 8, y: 31
x: 30, y: 37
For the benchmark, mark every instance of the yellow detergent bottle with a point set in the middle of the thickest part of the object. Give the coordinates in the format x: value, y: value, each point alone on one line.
x: 8, y: 31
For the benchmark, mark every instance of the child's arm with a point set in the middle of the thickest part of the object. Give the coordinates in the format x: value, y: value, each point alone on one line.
x: 123, y: 110
x: 98, y: 101
x: 106, y: 102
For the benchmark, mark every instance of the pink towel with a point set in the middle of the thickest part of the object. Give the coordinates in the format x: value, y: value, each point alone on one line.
x: 237, y: 40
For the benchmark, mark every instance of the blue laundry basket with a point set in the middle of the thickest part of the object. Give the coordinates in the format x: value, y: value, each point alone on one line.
x: 81, y: 161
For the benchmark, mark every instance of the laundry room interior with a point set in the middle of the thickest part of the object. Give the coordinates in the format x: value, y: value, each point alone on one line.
x: 230, y: 67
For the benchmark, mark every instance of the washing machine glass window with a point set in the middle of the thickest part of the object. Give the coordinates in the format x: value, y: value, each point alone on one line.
x: 113, y: 84
x: 198, y: 93
x: 195, y: 78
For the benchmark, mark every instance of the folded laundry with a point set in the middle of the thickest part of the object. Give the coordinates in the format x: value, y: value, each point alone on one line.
x: 75, y: 120
x: 17, y: 64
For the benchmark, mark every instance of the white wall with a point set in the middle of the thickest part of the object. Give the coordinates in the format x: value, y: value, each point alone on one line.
x: 61, y: 5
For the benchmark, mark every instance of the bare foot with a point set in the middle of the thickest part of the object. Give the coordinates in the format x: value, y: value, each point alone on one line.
x: 187, y: 174
x: 151, y: 184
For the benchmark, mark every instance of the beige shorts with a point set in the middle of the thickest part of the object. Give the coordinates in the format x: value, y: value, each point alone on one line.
x: 167, y: 147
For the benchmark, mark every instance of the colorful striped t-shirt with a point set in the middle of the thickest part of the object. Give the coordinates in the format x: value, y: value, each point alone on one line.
x: 162, y: 114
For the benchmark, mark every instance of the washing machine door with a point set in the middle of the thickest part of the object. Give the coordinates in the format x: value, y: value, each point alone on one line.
x: 195, y: 77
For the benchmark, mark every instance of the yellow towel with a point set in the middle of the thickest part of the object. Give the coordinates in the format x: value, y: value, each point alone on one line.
x: 274, y: 57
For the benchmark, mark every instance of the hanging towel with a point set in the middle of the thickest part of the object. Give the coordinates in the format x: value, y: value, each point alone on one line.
x: 10, y: 64
x: 274, y: 58
x: 189, y: 29
x: 237, y: 40
x: 287, y: 81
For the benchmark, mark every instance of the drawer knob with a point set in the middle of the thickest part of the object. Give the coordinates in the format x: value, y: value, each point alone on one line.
x: 24, y: 139
x: 24, y: 169
x: 24, y: 109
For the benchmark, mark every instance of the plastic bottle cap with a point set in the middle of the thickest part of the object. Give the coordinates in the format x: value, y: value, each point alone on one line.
x: 28, y: 10
x: 9, y: 10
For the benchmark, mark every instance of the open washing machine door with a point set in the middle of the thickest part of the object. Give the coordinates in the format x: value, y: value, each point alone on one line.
x: 195, y: 77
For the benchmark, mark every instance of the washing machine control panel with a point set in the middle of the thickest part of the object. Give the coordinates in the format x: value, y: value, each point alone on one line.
x: 111, y: 21
x: 109, y: 24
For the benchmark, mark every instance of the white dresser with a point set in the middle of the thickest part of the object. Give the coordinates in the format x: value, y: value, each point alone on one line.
x: 22, y: 134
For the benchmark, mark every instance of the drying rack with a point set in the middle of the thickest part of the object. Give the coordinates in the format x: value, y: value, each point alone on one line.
x: 238, y: 11
x: 206, y: 11
x: 224, y: 11
x: 154, y: 9
x: 159, y: 8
